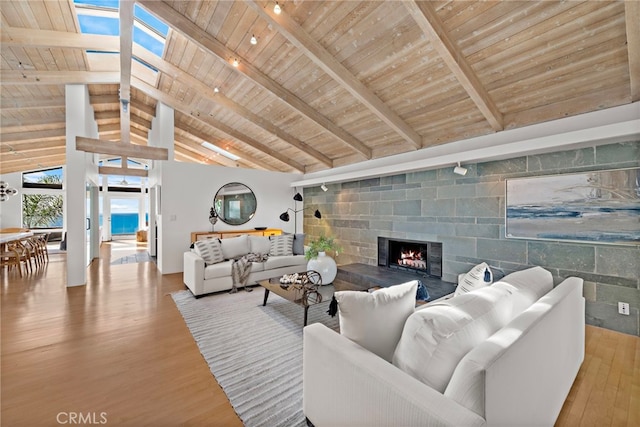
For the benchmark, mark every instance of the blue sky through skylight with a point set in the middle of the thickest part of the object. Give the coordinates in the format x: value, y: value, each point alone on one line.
x: 97, y: 23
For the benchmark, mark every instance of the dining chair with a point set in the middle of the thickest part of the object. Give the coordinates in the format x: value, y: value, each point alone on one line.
x: 23, y: 253
x: 10, y: 257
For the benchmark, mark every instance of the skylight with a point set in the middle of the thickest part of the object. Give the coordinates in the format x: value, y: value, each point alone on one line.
x: 101, y: 17
x: 219, y: 150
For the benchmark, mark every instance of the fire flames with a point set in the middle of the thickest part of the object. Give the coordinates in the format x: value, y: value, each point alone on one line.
x: 412, y: 258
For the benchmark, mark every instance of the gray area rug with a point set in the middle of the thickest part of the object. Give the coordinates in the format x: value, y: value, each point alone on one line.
x: 254, y: 352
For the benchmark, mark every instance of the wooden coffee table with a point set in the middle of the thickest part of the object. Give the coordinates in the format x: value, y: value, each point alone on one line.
x: 306, y: 296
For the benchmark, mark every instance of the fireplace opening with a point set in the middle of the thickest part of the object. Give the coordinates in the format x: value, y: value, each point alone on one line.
x: 408, y: 255
x: 422, y: 257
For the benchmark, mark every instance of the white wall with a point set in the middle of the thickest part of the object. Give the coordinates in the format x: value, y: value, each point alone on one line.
x: 11, y: 209
x: 187, y: 195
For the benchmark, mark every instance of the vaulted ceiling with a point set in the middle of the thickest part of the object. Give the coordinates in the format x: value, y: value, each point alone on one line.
x: 329, y: 83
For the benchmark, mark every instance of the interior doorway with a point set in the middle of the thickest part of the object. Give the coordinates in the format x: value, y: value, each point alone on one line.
x: 127, y: 216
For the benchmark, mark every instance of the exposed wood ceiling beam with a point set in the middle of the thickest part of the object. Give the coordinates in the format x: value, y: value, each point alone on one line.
x: 427, y: 19
x: 115, y: 100
x: 36, y: 135
x: 109, y: 170
x: 323, y: 59
x: 126, y: 51
x: 52, y: 121
x: 31, y: 103
x: 190, y: 30
x: 92, y: 145
x: 32, y: 164
x: 255, y: 162
x: 222, y: 100
x: 203, y: 154
x: 632, y: 18
x: 104, y: 99
x: 12, y: 36
x: 108, y: 127
x: 28, y: 77
x: 205, y: 118
x: 36, y: 154
x: 25, y: 148
x: 183, y: 154
x: 247, y: 114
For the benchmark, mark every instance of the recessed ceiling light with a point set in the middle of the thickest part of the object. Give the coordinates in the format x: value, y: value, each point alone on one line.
x: 216, y: 89
x: 277, y: 9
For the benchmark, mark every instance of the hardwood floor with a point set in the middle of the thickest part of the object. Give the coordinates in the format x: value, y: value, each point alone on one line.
x: 119, y: 348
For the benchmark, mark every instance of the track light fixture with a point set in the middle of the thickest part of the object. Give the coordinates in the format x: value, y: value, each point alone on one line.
x: 216, y: 89
x: 460, y: 170
x: 277, y: 9
x: 253, y: 40
x: 235, y: 62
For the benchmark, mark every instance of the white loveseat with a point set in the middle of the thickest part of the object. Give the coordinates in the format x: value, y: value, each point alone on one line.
x: 519, y: 375
x: 202, y: 278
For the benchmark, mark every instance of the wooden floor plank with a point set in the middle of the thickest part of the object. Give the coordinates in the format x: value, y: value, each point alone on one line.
x: 120, y: 346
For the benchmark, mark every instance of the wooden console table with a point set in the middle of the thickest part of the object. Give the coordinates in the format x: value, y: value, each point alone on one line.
x: 202, y: 235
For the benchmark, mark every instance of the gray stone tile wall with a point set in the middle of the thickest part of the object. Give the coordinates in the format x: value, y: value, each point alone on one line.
x: 466, y: 214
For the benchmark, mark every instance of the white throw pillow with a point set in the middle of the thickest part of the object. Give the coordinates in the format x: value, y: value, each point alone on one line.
x: 259, y: 245
x: 375, y: 320
x: 235, y: 247
x: 281, y: 245
x: 435, y: 338
x: 209, y: 250
x: 475, y: 279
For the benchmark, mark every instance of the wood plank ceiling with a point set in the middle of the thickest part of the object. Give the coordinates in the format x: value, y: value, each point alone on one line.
x: 329, y: 83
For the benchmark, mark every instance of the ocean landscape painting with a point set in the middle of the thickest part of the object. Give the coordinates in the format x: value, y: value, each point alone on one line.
x: 599, y: 206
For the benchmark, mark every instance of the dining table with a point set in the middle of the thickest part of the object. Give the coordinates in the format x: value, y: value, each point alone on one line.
x: 11, y: 237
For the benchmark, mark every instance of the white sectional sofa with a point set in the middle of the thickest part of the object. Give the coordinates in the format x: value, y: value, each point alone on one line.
x: 204, y: 278
x: 503, y: 355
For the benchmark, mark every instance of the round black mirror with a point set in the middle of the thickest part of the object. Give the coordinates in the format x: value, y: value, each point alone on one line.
x: 235, y: 203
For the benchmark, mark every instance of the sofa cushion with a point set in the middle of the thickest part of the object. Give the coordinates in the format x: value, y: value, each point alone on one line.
x: 478, y: 277
x: 285, y: 261
x: 209, y: 250
x: 532, y: 284
x: 260, y: 245
x: 257, y: 266
x: 235, y: 247
x: 436, y: 337
x: 375, y: 320
x: 221, y: 269
x: 281, y: 245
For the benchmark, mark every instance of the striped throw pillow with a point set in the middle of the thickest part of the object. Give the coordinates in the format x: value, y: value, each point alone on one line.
x: 281, y: 245
x: 209, y: 250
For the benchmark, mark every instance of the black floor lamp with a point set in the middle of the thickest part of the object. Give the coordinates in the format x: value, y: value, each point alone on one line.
x: 284, y: 216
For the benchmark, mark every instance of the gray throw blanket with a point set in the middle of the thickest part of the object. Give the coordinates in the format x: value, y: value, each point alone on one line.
x: 240, y: 269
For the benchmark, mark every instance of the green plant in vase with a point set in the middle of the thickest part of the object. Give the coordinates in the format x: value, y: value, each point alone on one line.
x: 318, y: 260
x: 322, y: 244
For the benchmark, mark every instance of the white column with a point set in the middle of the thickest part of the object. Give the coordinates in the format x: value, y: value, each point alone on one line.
x: 162, y: 135
x: 79, y: 122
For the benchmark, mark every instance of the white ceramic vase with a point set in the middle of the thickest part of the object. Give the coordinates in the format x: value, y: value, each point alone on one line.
x: 325, y: 265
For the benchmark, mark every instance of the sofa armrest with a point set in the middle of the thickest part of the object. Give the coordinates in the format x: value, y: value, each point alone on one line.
x: 193, y: 275
x: 346, y: 385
